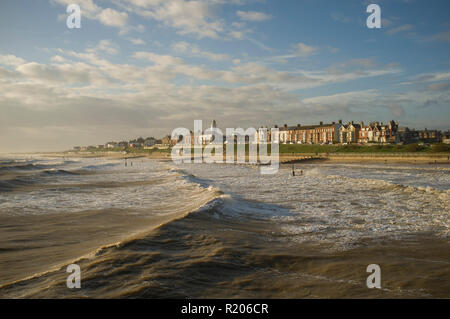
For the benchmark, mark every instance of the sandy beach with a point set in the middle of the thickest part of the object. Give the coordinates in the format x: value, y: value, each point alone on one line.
x: 409, y: 158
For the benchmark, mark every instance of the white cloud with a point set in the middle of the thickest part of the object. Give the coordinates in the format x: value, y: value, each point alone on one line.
x: 11, y: 60
x: 402, y: 28
x: 304, y: 50
x: 196, y: 17
x: 181, y: 46
x: 253, y: 16
x: 184, y: 47
x: 137, y: 41
x: 107, y: 16
x: 104, y: 46
x: 58, y: 59
x: 83, y: 92
x: 111, y: 17
x: 89, y: 9
x: 428, y: 77
x: 157, y: 59
x: 237, y: 35
x: 343, y: 98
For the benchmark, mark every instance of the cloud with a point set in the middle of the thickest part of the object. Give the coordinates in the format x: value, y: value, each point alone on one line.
x: 257, y: 73
x: 429, y: 77
x: 397, y: 110
x: 253, y: 16
x: 444, y: 86
x: 193, y: 50
x: 108, y: 16
x: 86, y: 99
x: 442, y: 37
x: 340, y: 17
x: 11, y: 60
x: 373, y: 102
x: 58, y: 59
x: 333, y: 50
x: 137, y: 41
x: 196, y: 17
x: 402, y: 28
x: 111, y: 17
x: 237, y: 34
x: 188, y: 17
x: 303, y: 50
x: 386, y: 22
x: 104, y: 46
x: 157, y: 59
x: 347, y: 98
x: 68, y: 73
x: 89, y: 9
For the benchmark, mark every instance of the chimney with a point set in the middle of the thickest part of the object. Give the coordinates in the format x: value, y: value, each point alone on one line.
x: 298, y: 125
x: 333, y: 123
x: 340, y: 121
x: 321, y: 123
x: 285, y: 125
x: 276, y: 126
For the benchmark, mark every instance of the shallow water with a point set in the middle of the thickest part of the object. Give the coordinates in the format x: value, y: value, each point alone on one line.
x: 157, y: 230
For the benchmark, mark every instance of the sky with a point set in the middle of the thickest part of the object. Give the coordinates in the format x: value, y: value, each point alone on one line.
x: 145, y: 67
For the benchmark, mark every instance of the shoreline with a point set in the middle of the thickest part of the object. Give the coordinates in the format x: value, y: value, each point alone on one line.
x: 287, y: 159
x: 358, y: 158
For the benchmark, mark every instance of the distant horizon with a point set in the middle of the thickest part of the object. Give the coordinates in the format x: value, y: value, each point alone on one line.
x: 70, y: 147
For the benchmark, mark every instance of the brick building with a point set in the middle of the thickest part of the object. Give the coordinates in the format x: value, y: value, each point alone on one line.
x: 310, y: 134
x: 377, y: 132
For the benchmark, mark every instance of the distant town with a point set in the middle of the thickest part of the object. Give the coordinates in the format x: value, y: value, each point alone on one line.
x: 373, y: 133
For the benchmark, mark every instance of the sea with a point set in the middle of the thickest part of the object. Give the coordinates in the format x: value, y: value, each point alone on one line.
x: 146, y: 228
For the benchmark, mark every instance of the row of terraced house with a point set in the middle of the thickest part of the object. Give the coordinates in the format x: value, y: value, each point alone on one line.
x: 339, y: 133
x: 322, y: 133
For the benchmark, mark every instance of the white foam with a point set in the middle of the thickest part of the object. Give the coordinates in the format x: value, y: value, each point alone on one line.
x: 327, y: 206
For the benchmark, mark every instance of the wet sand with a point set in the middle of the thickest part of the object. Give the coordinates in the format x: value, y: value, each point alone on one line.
x: 420, y: 158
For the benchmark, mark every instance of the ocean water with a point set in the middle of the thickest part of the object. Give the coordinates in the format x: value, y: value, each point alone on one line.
x: 153, y: 229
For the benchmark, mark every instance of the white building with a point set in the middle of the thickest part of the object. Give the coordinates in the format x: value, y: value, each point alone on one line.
x: 204, y: 139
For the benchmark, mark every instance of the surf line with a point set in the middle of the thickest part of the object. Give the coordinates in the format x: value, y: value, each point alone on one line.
x: 192, y: 309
